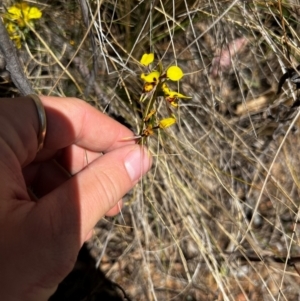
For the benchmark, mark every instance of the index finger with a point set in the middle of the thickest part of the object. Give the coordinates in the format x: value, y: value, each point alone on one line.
x: 73, y: 121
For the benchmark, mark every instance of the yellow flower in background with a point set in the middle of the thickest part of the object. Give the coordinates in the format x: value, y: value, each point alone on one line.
x: 16, y: 19
x: 174, y: 73
x: 12, y: 28
x: 152, y: 77
x: 22, y: 13
x: 167, y: 122
x: 14, y: 34
x: 147, y: 59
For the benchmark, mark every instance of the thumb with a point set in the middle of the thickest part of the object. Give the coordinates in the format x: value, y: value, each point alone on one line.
x: 86, y: 197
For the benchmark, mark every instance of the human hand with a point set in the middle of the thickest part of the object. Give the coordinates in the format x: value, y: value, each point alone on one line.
x: 40, y: 239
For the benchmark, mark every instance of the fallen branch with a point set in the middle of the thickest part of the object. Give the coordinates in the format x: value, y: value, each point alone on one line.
x: 13, y: 64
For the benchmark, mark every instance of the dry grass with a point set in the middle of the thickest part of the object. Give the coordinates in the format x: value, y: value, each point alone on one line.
x: 217, y: 217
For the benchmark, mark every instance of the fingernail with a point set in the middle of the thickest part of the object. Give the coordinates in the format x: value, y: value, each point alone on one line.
x: 137, y: 162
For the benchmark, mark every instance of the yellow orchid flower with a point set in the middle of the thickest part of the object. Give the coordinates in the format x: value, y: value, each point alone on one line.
x: 174, y: 73
x: 155, y: 82
x: 22, y: 13
x: 172, y: 96
x: 167, y: 122
x: 147, y: 59
x: 152, y: 77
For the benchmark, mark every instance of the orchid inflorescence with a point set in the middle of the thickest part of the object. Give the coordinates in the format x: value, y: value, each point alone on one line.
x: 17, y: 20
x: 155, y: 82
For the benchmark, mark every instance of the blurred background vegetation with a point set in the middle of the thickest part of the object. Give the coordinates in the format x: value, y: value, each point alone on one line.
x: 217, y: 218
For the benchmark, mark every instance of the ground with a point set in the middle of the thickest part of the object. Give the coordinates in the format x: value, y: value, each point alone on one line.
x: 217, y: 216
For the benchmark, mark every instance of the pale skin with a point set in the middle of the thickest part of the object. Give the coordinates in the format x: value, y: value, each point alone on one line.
x: 40, y: 238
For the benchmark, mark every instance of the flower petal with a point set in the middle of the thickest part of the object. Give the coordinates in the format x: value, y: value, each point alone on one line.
x: 174, y: 104
x: 166, y: 122
x: 14, y: 13
x: 174, y: 73
x: 147, y: 59
x: 165, y: 89
x: 34, y: 13
x: 178, y: 95
x: 152, y: 77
